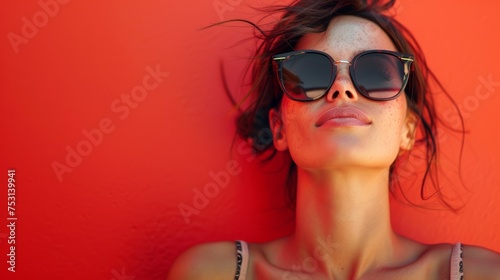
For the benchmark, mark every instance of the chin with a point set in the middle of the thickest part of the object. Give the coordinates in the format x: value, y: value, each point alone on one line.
x: 341, y: 159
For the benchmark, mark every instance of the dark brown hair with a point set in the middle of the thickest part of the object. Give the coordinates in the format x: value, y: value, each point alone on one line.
x: 313, y: 16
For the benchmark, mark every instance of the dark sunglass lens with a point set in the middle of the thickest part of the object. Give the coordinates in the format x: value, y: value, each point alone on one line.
x: 306, y: 76
x: 379, y: 75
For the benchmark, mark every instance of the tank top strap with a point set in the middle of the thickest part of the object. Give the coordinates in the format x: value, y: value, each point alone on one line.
x: 241, y: 260
x: 456, y: 262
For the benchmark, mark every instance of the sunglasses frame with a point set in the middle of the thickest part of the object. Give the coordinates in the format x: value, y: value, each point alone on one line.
x: 406, y: 59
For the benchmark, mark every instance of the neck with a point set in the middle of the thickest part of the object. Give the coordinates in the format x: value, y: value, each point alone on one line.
x: 343, y: 221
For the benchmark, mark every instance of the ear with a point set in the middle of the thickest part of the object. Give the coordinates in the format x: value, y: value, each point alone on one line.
x: 279, y: 135
x: 409, y: 131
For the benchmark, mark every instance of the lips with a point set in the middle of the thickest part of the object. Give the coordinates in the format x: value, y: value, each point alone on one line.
x: 343, y: 116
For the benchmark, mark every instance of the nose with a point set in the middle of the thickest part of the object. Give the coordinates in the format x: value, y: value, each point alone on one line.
x: 343, y: 86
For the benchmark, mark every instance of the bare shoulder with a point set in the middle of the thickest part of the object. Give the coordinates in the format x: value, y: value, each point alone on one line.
x: 478, y: 262
x: 215, y: 261
x: 481, y: 263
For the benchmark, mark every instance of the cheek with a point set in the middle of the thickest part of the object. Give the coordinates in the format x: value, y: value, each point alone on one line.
x: 391, y: 114
x: 292, y: 113
x: 391, y: 123
x: 297, y: 121
x: 294, y: 118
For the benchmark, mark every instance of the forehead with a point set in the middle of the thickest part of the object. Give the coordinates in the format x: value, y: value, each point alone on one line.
x: 347, y: 36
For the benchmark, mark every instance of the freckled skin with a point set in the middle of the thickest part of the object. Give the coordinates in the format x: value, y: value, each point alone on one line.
x: 342, y: 221
x: 373, y: 146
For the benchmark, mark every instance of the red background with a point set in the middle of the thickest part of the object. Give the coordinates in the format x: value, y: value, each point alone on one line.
x: 116, y: 214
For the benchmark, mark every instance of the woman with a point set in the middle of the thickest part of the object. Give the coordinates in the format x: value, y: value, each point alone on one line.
x: 345, y: 94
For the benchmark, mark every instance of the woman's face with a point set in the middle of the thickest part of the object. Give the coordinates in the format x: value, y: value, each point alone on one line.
x: 372, y: 140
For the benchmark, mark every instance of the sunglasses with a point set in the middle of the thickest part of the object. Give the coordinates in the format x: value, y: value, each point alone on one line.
x: 308, y: 75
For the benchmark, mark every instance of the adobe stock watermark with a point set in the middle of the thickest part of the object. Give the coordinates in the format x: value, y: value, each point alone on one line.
x: 223, y: 6
x: 121, y: 276
x: 31, y: 26
x: 399, y: 8
x: 483, y: 91
x: 121, y: 107
x: 220, y: 180
x: 322, y: 253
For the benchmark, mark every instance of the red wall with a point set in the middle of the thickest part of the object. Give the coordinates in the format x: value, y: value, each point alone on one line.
x: 112, y: 212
